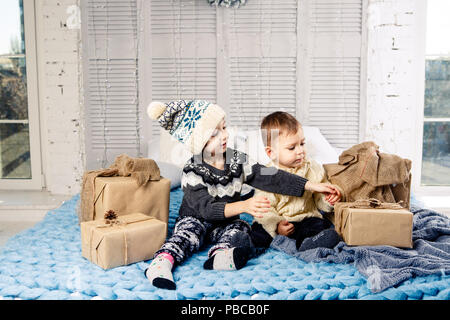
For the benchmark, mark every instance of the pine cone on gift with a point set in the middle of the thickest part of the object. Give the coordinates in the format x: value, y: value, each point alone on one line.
x: 110, y: 216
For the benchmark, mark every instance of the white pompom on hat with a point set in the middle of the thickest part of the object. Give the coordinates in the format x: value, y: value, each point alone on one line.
x: 156, y: 109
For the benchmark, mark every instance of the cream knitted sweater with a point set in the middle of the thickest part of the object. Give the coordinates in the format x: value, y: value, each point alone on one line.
x: 293, y: 208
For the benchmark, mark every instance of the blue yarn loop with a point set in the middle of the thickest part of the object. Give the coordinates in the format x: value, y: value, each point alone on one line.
x: 45, y: 262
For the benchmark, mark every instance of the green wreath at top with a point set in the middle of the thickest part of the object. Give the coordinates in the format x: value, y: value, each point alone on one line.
x: 227, y: 3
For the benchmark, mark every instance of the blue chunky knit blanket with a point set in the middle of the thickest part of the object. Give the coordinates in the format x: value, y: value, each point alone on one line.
x: 45, y: 262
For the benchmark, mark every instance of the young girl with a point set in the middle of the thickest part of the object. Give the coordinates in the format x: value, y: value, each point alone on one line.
x: 211, y: 182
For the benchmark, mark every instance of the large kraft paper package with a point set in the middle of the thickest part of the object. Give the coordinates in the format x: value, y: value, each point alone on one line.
x: 125, y: 196
x: 132, y: 238
x: 370, y: 225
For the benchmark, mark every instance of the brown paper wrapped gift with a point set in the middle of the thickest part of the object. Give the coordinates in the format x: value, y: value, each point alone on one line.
x: 140, y: 170
x: 129, y: 239
x: 371, y: 222
x: 124, y: 196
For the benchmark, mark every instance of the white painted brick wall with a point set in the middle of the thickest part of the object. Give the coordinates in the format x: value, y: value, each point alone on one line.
x: 391, y: 93
x: 394, y: 63
x: 60, y: 98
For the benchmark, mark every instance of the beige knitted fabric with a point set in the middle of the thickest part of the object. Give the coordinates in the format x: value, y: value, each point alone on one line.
x: 140, y: 169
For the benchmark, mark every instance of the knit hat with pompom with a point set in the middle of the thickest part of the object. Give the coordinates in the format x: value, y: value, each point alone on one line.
x: 191, y: 122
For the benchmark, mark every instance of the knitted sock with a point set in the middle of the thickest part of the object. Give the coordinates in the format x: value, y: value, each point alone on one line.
x: 228, y: 259
x: 160, y: 272
x: 243, y: 239
x: 325, y: 239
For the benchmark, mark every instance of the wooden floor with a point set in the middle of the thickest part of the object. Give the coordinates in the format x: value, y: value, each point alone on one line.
x: 20, y: 210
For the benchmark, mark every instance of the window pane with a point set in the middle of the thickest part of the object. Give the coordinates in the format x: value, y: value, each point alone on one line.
x: 13, y: 84
x: 12, y: 40
x: 14, y: 131
x: 436, y: 153
x: 15, y: 151
x: 437, y: 88
x: 13, y: 89
x: 438, y: 27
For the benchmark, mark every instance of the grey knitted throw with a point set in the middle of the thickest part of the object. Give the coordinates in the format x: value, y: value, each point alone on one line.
x: 387, y: 266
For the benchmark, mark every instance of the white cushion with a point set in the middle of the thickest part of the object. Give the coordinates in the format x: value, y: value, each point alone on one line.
x: 161, y: 151
x: 171, y: 172
x: 171, y: 155
x: 250, y: 142
x: 318, y: 147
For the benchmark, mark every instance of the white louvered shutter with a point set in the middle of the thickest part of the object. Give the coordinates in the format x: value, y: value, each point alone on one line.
x: 300, y: 56
x: 110, y: 80
x: 333, y: 68
x: 262, y: 60
x: 183, y: 52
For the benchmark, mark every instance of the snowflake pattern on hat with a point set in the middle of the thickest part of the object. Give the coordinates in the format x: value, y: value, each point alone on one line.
x: 194, y: 110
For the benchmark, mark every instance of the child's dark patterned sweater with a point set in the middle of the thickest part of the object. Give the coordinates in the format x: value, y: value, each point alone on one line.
x: 207, y: 189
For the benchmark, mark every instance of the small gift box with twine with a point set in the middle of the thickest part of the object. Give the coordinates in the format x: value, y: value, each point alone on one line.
x: 121, y: 240
x: 369, y: 222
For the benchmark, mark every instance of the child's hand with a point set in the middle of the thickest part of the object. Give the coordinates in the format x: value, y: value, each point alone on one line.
x: 332, y: 198
x: 320, y: 187
x: 285, y: 228
x: 257, y: 206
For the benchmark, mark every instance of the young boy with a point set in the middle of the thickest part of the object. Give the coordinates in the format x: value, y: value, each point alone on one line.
x: 211, y: 182
x: 296, y: 217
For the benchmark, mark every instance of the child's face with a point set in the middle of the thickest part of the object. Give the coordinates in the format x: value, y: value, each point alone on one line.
x: 217, y: 144
x: 289, y: 150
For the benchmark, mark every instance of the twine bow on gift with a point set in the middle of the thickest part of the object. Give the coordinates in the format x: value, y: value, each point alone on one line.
x: 373, y: 203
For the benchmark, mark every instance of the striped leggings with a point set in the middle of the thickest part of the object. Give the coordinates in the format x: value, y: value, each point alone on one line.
x: 191, y: 233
